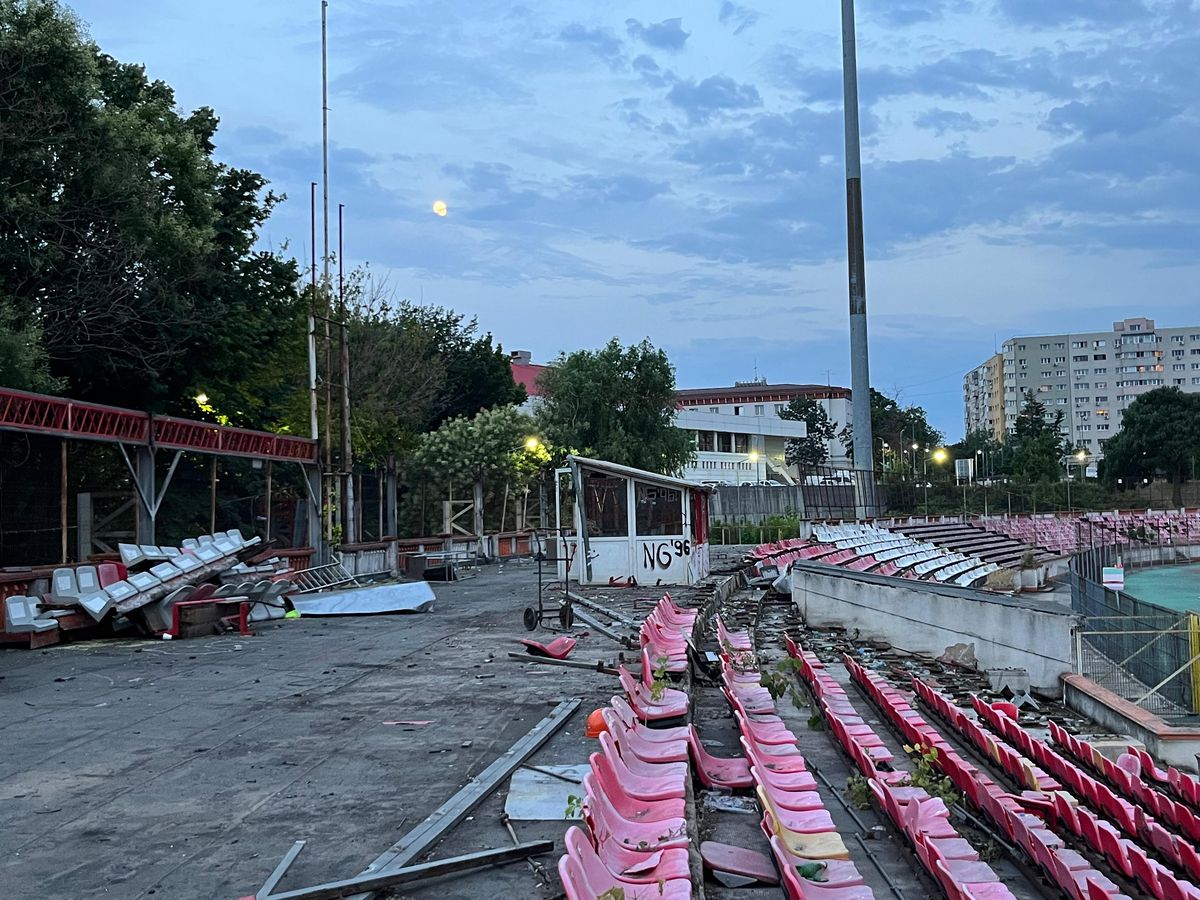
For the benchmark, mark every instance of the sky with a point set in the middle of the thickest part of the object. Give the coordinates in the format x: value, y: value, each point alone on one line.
x: 675, y: 170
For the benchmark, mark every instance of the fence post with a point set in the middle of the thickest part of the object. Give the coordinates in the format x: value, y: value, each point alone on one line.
x: 1194, y: 641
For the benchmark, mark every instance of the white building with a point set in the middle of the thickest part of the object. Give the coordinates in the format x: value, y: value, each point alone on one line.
x: 738, y: 433
x: 751, y: 410
x: 1093, y: 376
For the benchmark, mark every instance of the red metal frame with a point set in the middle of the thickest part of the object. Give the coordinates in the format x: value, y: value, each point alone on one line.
x: 242, y: 615
x: 58, y: 416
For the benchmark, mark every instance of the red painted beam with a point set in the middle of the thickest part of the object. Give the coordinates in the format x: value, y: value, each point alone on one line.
x: 60, y: 417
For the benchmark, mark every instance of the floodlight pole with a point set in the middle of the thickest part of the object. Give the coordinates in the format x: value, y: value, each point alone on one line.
x: 860, y: 375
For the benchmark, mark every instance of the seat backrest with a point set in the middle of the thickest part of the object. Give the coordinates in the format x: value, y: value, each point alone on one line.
x: 64, y: 583
x: 88, y: 580
x: 110, y: 573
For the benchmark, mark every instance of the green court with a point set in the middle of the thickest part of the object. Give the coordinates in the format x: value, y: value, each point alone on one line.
x: 1175, y: 587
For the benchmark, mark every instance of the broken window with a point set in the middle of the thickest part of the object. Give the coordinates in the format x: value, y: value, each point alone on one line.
x: 659, y: 510
x: 606, y: 506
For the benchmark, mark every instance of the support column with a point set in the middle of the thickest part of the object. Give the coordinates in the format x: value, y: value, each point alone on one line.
x: 145, y: 495
x: 212, y: 498
x: 312, y: 476
x: 389, y: 500
x: 477, y: 510
x: 62, y: 502
x: 270, y: 485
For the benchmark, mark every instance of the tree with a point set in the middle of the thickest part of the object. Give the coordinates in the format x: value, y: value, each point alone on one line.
x: 23, y: 363
x: 121, y: 238
x: 1037, y: 442
x: 813, y: 448
x: 617, y: 404
x: 897, y: 426
x: 495, y: 450
x: 1160, y: 432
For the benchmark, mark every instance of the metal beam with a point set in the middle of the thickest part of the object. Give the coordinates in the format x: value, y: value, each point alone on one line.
x: 458, y: 807
x: 624, y: 641
x: 280, y: 870
x: 434, y: 869
x: 600, y: 608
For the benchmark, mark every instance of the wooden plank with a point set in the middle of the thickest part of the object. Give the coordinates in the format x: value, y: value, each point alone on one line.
x: 438, y: 867
x: 441, y: 820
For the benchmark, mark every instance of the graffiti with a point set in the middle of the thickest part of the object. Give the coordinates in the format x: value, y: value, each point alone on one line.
x: 663, y: 554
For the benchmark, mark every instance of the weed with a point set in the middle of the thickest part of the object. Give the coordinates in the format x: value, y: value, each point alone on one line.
x: 658, y: 687
x: 574, y: 807
x: 858, y: 792
x: 927, y: 776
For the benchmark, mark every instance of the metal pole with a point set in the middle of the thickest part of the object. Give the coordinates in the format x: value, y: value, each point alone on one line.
x: 62, y: 502
x: 860, y: 376
x: 325, y: 282
x: 212, y: 498
x: 269, y: 486
x: 313, y: 427
x: 348, y: 494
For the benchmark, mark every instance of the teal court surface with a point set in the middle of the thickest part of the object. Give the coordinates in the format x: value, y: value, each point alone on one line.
x: 1175, y: 587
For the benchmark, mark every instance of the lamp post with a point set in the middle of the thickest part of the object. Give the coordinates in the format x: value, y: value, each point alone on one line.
x: 1080, y: 457
x: 754, y: 456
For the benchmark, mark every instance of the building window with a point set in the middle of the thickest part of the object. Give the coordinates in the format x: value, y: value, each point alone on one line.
x: 1102, y: 427
x: 1043, y: 346
x: 1177, y: 338
x: 706, y: 441
x: 737, y: 410
x: 1045, y: 360
x: 724, y: 442
x: 758, y: 409
x: 1102, y: 370
x: 779, y: 407
x: 659, y: 510
x: 1082, y: 358
x: 1176, y: 354
x: 1179, y: 367
x: 1059, y: 345
x: 1099, y: 356
x: 606, y: 506
x: 1059, y: 359
x: 714, y: 409
x: 741, y: 443
x: 1075, y: 345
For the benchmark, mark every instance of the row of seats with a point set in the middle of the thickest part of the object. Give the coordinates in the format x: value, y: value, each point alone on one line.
x: 923, y: 819
x: 1011, y: 814
x: 1139, y: 766
x: 965, y: 537
x: 98, y: 589
x: 864, y: 548
x: 1129, y: 856
x: 636, y: 840
x: 799, y: 828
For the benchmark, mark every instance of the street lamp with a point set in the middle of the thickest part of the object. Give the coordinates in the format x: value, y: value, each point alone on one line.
x: 532, y: 443
x: 1079, y: 457
x: 754, y: 457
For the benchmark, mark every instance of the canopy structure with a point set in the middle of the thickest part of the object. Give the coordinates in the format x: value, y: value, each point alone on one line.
x: 146, y: 433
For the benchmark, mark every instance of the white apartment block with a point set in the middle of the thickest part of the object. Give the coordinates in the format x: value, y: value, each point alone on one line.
x: 739, y: 435
x: 1092, y: 377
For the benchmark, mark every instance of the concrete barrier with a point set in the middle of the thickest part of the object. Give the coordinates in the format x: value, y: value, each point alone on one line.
x: 923, y: 617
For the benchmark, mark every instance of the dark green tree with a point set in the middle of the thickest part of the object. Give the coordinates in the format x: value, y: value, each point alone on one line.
x: 1037, y: 442
x: 616, y: 403
x: 813, y: 448
x: 121, y: 238
x: 1160, y: 433
x: 23, y: 363
x: 897, y: 426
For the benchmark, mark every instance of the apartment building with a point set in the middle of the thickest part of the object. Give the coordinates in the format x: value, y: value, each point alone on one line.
x: 1092, y: 377
x: 983, y: 398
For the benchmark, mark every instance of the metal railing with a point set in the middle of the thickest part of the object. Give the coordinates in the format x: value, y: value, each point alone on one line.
x: 1145, y: 653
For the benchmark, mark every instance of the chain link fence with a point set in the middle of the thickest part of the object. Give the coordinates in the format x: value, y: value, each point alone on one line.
x: 1142, y: 652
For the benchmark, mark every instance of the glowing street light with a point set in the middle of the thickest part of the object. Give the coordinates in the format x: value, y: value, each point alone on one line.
x: 939, y: 455
x: 532, y: 443
x: 440, y: 208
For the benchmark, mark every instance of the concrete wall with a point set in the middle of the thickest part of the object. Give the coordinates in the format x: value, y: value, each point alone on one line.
x: 928, y: 618
x: 1179, y: 747
x: 753, y: 504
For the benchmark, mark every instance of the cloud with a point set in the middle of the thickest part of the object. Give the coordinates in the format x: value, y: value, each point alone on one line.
x: 715, y: 94
x: 600, y: 41
x: 665, y: 35
x: 1113, y: 110
x: 940, y: 121
x: 740, y: 17
x: 1041, y: 14
x: 618, y: 188
x: 903, y: 13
